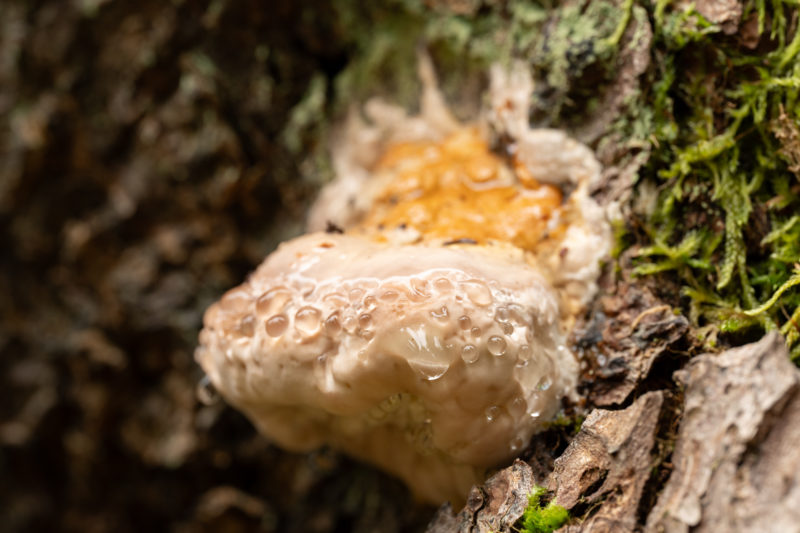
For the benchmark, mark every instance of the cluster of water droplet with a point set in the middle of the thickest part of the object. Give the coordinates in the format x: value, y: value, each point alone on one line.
x: 432, y: 320
x: 441, y: 315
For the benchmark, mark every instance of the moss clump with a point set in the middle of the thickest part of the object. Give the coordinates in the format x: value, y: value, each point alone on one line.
x: 539, y: 519
x: 565, y: 45
x: 726, y: 137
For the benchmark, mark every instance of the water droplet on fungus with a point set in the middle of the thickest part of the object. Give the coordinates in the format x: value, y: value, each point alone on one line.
x: 246, y: 326
x: 307, y: 320
x: 440, y: 313
x: 544, y: 383
x: 501, y: 315
x: 424, y: 349
x: 497, y: 345
x: 420, y: 288
x: 523, y: 355
x: 365, y: 320
x: 443, y: 285
x: 389, y: 295
x: 273, y: 301
x: 276, y: 325
x: 349, y: 324
x: 370, y: 302
x: 235, y: 301
x: 355, y: 294
x: 469, y: 353
x: 332, y: 324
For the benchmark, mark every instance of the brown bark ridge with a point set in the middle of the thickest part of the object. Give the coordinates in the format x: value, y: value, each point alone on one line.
x: 736, y: 459
x: 604, y: 470
x: 735, y: 464
x: 629, y: 331
x: 495, y: 506
x: 608, y: 464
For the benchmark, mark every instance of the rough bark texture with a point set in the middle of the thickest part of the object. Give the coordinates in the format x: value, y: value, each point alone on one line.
x: 609, y: 461
x: 627, y: 332
x: 600, y: 476
x: 495, y: 506
x: 735, y: 462
x: 736, y: 459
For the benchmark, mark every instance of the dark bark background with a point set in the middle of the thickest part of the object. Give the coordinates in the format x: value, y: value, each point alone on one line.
x: 141, y: 175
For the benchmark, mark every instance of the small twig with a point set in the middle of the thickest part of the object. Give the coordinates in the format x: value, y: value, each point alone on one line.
x: 646, y: 312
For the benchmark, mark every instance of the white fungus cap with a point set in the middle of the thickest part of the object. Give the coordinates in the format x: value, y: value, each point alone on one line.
x: 434, y: 362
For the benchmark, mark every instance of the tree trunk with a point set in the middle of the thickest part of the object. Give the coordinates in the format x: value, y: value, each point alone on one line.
x: 152, y: 153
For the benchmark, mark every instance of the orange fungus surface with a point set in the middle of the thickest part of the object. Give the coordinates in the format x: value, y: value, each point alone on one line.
x: 458, y: 189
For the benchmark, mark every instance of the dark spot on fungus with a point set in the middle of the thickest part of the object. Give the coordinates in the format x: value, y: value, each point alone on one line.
x: 331, y: 227
x: 460, y: 241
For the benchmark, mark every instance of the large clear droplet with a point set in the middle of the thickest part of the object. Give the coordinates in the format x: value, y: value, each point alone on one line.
x: 501, y: 314
x: 277, y: 325
x: 492, y: 413
x: 246, y: 326
x: 423, y: 349
x: 544, y: 383
x: 307, y: 320
x: 332, y: 324
x: 389, y: 295
x: 443, y: 285
x: 497, y: 345
x: 420, y: 289
x: 469, y: 353
x: 365, y: 320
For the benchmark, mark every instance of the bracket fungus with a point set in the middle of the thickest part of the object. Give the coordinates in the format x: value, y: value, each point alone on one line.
x: 429, y: 337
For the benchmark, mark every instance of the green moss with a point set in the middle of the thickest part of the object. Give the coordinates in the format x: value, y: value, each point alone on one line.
x: 726, y: 221
x: 306, y: 115
x: 539, y: 519
x: 570, y: 425
x: 562, y: 44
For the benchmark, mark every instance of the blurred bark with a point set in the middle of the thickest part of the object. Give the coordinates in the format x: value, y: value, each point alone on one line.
x: 142, y: 173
